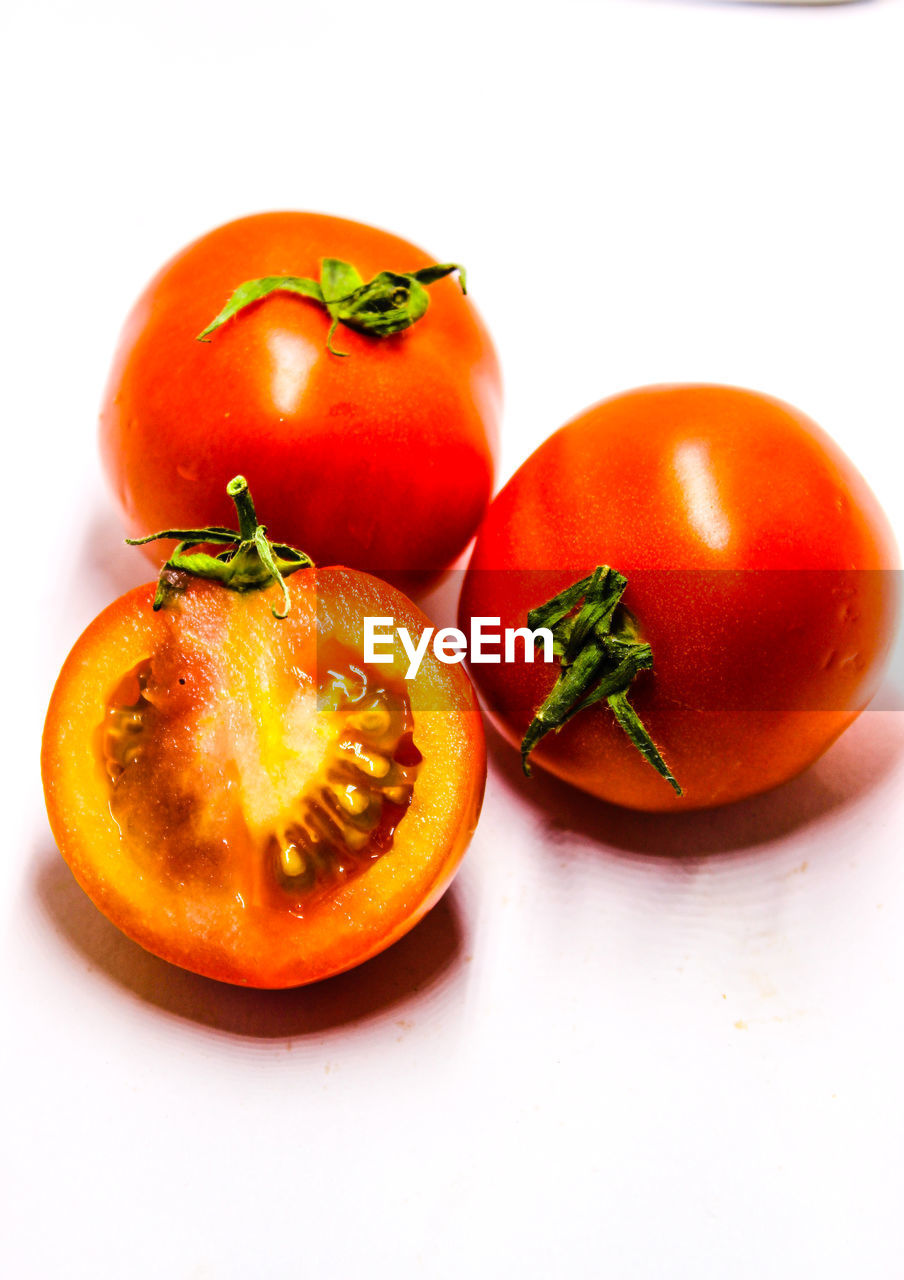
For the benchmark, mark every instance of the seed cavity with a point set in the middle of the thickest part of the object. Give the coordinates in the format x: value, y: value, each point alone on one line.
x: 126, y: 721
x: 375, y: 721
x: 397, y: 795
x: 370, y: 762
x: 351, y: 798
x: 344, y: 819
x: 292, y: 860
x: 348, y: 821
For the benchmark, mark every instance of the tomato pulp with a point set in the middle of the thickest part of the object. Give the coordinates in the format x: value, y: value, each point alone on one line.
x: 246, y: 798
x: 760, y: 572
x: 380, y: 460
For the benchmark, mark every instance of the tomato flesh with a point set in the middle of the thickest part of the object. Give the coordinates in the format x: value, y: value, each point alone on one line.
x: 256, y: 803
x: 314, y: 790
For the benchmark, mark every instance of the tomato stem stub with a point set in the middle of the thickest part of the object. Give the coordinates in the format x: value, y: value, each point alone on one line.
x: 599, y: 655
x: 249, y: 563
x: 387, y: 304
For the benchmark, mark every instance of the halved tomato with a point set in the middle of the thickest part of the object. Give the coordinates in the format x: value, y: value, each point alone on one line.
x: 244, y: 796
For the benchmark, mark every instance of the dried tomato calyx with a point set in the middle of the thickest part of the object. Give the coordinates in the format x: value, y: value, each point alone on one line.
x: 390, y: 302
x: 599, y: 656
x: 250, y: 562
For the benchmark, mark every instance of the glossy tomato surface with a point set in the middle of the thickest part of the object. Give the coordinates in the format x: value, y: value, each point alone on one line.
x: 382, y: 460
x: 760, y: 569
x: 245, y: 797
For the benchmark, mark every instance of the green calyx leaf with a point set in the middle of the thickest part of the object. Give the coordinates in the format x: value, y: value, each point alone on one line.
x: 390, y: 302
x: 599, y: 655
x: 253, y: 290
x: 249, y: 563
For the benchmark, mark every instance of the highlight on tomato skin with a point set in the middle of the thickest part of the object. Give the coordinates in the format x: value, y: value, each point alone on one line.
x: 731, y: 542
x: 380, y: 458
x: 242, y: 795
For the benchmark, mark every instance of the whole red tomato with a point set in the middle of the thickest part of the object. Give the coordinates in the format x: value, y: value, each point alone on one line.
x: 380, y: 458
x: 758, y: 568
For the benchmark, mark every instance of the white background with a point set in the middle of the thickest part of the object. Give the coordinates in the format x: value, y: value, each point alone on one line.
x: 622, y: 1046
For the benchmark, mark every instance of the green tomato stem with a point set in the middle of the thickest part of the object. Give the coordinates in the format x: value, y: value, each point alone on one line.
x: 599, y: 655
x: 249, y: 563
x: 238, y: 491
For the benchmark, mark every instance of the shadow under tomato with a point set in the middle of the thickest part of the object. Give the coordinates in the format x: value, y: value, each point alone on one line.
x: 421, y: 960
x: 855, y: 764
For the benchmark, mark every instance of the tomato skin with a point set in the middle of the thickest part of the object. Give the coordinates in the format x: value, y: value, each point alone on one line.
x: 758, y: 566
x: 187, y: 916
x: 382, y: 460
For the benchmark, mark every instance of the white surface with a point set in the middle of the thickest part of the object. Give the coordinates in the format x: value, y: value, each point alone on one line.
x: 621, y: 1046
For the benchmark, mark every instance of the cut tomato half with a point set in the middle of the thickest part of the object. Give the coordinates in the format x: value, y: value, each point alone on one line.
x: 242, y: 794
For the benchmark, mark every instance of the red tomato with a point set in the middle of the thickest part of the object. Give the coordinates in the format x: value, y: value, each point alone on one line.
x: 382, y: 460
x: 758, y: 568
x: 242, y: 794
